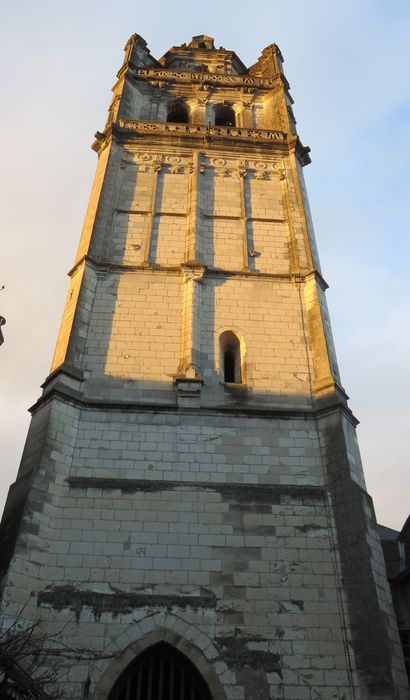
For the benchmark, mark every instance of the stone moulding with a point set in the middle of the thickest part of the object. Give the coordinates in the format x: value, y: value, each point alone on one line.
x: 176, y: 129
x: 269, y: 493
x: 203, y: 78
x: 118, y: 602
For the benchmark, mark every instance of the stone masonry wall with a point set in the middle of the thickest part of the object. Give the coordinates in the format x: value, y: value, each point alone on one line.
x: 209, y: 523
x: 157, y: 502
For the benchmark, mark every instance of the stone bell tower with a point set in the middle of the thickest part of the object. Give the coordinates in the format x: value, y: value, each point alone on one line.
x: 190, y: 519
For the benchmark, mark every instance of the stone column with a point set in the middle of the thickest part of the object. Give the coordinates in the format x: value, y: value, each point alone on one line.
x: 193, y: 244
x: 293, y: 249
x: 156, y: 169
x: 244, y: 112
x: 189, y: 381
x: 193, y: 274
x: 198, y: 105
x: 242, y: 172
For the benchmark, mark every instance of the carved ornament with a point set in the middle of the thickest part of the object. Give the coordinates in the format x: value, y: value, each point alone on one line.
x: 193, y: 273
x: 167, y: 128
x: 201, y: 95
x: 219, y: 165
x: 162, y: 74
x: 242, y: 169
x: 157, y: 164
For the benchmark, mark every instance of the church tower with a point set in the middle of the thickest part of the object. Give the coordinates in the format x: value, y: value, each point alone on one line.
x: 190, y: 519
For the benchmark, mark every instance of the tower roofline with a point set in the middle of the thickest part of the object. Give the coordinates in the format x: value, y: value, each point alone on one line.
x: 202, y: 47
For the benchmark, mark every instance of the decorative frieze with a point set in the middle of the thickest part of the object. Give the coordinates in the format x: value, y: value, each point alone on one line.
x: 145, y: 162
x: 242, y: 170
x: 172, y: 129
x: 163, y: 74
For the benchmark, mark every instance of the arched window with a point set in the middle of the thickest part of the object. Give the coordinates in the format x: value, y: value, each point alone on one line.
x: 178, y: 112
x: 230, y: 361
x: 160, y: 673
x: 224, y: 116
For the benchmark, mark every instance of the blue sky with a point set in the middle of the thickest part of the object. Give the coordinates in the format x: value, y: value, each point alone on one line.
x: 348, y: 66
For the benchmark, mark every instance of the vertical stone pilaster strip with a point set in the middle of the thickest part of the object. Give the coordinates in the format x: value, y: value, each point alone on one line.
x: 199, y: 104
x: 301, y: 207
x: 245, y: 111
x: 293, y: 250
x: 94, y: 203
x: 323, y: 379
x: 109, y: 231
x: 242, y: 172
x: 154, y: 109
x: 156, y: 169
x: 193, y: 247
x: 191, y: 320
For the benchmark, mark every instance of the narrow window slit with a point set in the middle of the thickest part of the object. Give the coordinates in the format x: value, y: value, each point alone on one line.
x: 229, y: 365
x: 231, y: 354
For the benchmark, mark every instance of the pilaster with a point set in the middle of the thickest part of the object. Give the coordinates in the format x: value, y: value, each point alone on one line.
x: 192, y: 278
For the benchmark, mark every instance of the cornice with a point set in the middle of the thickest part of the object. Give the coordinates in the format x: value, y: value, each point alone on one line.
x: 206, y: 133
x: 102, y: 140
x: 107, y: 266
x: 170, y: 129
x: 172, y: 76
x: 318, y: 277
x: 302, y: 152
x: 133, y: 485
x: 68, y: 370
x: 318, y: 407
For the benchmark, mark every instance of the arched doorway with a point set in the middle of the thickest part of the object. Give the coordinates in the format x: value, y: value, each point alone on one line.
x: 161, y: 672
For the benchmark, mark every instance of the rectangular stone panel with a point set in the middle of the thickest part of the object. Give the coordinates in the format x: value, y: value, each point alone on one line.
x: 172, y: 193
x: 228, y: 244
x: 268, y: 245
x: 129, y: 234
x: 222, y: 193
x: 125, y: 340
x: 136, y: 189
x: 168, y: 240
x: 268, y: 320
x: 264, y: 197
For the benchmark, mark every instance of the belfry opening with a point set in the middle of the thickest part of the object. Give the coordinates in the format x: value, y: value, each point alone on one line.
x: 178, y: 112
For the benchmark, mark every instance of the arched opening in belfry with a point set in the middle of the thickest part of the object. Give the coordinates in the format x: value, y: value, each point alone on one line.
x: 178, y: 112
x: 231, y: 365
x: 224, y: 115
x: 161, y: 672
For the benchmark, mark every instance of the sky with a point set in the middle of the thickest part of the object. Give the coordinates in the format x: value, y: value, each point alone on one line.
x: 348, y: 67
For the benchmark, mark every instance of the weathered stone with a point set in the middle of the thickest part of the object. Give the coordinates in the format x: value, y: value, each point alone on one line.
x: 191, y: 474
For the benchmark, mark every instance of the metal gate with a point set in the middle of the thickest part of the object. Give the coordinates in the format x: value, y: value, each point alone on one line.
x: 160, y: 673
